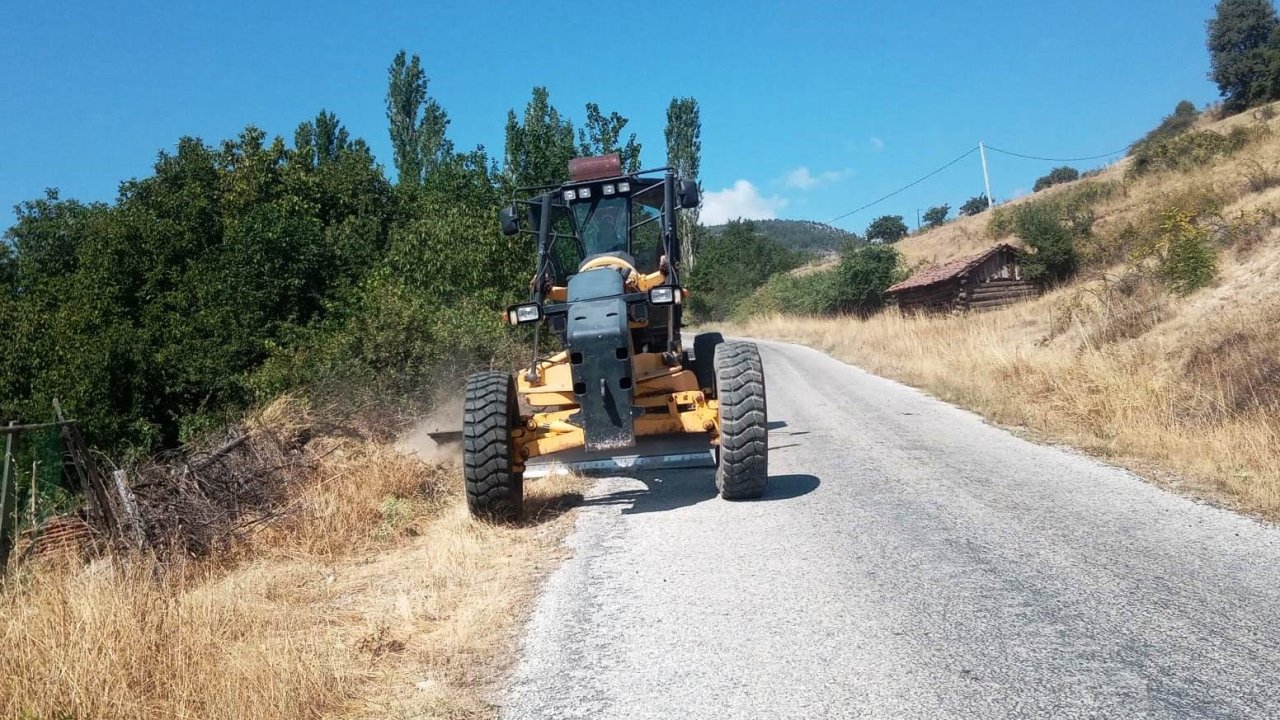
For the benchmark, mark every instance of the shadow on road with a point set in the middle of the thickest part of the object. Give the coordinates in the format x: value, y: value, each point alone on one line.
x: 682, y: 488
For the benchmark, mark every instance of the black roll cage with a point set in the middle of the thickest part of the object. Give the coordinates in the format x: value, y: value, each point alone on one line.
x: 551, y: 197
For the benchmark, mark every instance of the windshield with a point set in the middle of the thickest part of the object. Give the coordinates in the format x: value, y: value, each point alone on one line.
x: 602, y: 225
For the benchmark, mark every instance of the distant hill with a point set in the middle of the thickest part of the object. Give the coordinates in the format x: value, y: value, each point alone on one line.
x: 806, y: 235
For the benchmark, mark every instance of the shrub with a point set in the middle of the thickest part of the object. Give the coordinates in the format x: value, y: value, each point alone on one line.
x: 811, y: 293
x: 731, y: 264
x: 1181, y: 120
x: 856, y: 285
x: 974, y: 205
x: 1192, y: 149
x: 1057, y: 176
x: 1189, y: 261
x: 1053, y: 238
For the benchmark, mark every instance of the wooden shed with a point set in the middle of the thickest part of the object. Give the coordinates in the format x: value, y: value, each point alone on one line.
x: 989, y: 279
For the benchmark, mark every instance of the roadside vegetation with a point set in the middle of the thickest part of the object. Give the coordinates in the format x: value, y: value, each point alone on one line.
x: 366, y: 591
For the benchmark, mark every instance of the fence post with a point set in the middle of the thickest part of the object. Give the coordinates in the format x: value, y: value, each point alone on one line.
x: 8, y: 497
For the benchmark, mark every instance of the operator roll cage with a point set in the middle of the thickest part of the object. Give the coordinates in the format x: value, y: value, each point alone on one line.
x: 550, y: 198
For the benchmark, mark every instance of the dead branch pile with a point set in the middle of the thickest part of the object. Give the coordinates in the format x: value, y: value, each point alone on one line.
x: 197, y: 500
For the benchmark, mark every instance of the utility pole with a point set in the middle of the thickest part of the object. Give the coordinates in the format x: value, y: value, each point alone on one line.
x: 917, y: 219
x: 986, y: 178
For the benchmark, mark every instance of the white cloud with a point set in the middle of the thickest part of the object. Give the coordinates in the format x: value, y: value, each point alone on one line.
x: 801, y: 178
x: 877, y: 143
x: 743, y: 201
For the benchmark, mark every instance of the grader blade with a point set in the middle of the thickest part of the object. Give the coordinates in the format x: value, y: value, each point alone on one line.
x: 663, y: 452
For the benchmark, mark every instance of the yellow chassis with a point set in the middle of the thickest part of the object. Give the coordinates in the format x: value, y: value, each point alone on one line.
x: 670, y: 396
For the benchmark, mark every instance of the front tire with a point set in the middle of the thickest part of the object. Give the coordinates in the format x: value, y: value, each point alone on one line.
x: 743, y: 467
x: 494, y: 490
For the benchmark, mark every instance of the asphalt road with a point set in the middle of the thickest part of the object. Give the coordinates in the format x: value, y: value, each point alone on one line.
x: 908, y: 561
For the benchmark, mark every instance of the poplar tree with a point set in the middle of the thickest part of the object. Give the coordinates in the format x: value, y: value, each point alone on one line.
x: 684, y: 153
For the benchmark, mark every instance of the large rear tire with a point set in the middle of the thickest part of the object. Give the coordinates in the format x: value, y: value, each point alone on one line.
x: 743, y: 467
x: 494, y: 490
x: 704, y: 359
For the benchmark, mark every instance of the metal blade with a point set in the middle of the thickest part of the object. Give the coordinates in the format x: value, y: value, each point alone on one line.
x: 669, y: 452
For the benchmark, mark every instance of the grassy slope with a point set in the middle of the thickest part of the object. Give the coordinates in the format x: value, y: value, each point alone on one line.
x: 376, y: 596
x: 1189, y: 385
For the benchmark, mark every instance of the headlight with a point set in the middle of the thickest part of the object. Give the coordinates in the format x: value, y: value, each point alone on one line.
x: 521, y: 314
x: 568, y: 195
x: 665, y: 295
x: 607, y: 189
x: 624, y: 187
x: 584, y: 193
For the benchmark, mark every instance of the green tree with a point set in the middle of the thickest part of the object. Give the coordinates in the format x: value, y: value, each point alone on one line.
x: 684, y: 153
x: 888, y: 228
x: 1057, y: 176
x: 936, y: 215
x: 863, y: 275
x: 540, y: 145
x: 417, y: 122
x: 601, y: 135
x: 1053, y: 238
x: 731, y: 264
x: 974, y: 205
x: 1243, y: 51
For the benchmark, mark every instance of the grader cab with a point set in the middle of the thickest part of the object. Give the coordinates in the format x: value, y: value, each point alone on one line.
x: 607, y: 288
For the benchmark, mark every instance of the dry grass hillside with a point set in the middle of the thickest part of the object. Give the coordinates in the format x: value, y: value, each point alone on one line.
x: 1183, y: 387
x: 374, y: 596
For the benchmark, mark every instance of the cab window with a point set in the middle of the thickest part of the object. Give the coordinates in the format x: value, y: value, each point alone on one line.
x: 602, y: 225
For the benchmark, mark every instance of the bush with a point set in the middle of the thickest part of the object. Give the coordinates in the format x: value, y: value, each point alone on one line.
x: 1178, y: 243
x: 974, y: 205
x: 862, y: 276
x: 731, y: 264
x: 811, y: 293
x: 1057, y: 176
x: 1052, y: 238
x: 856, y: 285
x: 1183, y: 118
x: 1192, y: 149
x: 1189, y: 261
x: 1074, y: 204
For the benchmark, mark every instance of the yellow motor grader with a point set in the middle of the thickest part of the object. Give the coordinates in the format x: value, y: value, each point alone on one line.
x: 607, y: 286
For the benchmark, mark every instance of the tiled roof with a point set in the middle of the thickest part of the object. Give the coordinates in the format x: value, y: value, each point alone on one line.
x: 947, y: 271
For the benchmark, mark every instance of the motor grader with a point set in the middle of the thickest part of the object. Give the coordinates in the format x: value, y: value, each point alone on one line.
x: 607, y: 287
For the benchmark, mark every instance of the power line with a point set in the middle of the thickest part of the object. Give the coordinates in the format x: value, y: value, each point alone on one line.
x: 1047, y: 159
x: 904, y: 187
x: 971, y: 151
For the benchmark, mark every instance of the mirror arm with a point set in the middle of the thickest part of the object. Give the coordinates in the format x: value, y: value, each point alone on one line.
x: 540, y: 269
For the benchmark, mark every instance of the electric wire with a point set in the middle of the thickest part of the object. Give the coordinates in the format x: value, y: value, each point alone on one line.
x: 1048, y: 159
x: 879, y: 200
x: 905, y: 187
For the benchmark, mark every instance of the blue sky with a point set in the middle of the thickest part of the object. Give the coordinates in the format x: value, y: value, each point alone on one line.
x: 808, y: 109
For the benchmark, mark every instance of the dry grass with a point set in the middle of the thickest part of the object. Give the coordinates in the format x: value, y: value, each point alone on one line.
x: 376, y: 596
x: 1214, y: 422
x: 1113, y: 364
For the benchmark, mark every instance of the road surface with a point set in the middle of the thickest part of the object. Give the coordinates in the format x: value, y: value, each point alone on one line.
x: 908, y: 561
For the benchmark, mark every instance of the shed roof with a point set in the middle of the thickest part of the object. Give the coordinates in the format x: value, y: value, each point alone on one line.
x: 949, y: 271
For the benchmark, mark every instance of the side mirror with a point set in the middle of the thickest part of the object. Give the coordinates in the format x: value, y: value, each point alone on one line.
x: 689, y: 195
x: 509, y: 220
